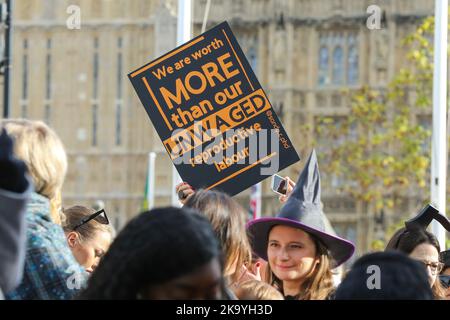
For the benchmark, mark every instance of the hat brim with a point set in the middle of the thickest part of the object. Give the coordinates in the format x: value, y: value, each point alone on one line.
x: 258, y: 230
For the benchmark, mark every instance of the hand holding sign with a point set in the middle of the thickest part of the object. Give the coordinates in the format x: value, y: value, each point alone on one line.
x: 184, y: 191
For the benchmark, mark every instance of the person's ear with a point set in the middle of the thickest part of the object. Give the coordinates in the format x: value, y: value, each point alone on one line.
x: 72, y: 239
x: 317, y: 261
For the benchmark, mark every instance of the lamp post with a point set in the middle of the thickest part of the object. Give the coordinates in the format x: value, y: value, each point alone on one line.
x: 184, y: 22
x: 439, y: 136
x: 6, y: 61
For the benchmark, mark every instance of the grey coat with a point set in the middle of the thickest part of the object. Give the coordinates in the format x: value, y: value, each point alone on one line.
x: 12, y: 238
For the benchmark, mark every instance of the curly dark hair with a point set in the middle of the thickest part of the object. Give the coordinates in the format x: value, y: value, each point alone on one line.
x: 153, y: 248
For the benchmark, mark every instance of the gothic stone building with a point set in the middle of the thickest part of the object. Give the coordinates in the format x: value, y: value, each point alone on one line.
x: 303, y: 52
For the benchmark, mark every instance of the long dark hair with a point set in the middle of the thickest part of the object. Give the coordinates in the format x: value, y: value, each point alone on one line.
x: 227, y: 218
x: 153, y: 248
x: 406, y: 240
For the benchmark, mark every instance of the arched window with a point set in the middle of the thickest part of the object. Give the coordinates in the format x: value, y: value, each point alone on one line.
x: 119, y: 93
x: 253, y: 59
x: 48, y: 73
x: 338, y: 65
x: 323, y: 66
x: 95, y: 70
x: 94, y: 124
x: 25, y: 71
x: 352, y: 61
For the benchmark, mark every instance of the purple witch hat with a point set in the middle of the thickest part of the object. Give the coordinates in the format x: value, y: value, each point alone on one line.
x: 303, y: 210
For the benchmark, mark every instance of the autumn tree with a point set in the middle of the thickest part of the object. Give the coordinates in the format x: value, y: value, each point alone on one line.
x: 380, y: 151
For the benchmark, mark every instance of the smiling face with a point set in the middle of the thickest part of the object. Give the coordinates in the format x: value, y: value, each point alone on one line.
x: 291, y: 254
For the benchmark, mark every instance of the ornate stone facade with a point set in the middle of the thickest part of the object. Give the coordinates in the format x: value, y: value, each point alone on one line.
x: 303, y: 52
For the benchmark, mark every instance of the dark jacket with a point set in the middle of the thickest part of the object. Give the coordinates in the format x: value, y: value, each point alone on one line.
x: 12, y: 237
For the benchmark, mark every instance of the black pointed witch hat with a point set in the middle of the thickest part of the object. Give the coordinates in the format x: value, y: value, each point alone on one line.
x: 420, y: 222
x: 424, y: 218
x: 303, y: 210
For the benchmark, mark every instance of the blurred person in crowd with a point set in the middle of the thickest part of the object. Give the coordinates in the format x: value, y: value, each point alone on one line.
x: 444, y: 277
x: 15, y: 191
x: 165, y: 253
x: 258, y: 266
x: 444, y: 257
x: 51, y: 271
x: 257, y: 290
x: 422, y: 246
x: 385, y: 276
x: 299, y: 246
x: 228, y: 220
x: 88, y: 234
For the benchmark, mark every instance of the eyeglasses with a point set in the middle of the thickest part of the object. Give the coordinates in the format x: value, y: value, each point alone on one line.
x: 445, y: 280
x: 435, y: 267
x: 99, y: 216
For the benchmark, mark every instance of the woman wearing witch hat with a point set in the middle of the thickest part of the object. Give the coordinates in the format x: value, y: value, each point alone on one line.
x: 300, y: 249
x: 415, y: 241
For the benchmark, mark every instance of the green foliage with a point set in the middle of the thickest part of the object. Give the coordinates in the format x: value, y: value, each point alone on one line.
x: 377, y: 245
x: 378, y: 149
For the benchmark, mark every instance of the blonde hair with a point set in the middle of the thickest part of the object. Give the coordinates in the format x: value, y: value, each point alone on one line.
x: 257, y: 290
x: 72, y: 216
x: 318, y: 284
x: 43, y: 153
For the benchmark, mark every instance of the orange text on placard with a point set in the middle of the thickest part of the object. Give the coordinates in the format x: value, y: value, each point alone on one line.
x: 217, y: 123
x: 209, y: 74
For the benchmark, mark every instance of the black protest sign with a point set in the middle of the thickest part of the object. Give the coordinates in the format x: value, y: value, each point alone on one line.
x: 212, y: 115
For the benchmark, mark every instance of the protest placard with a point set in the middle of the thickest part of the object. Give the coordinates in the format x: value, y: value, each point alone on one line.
x: 212, y: 115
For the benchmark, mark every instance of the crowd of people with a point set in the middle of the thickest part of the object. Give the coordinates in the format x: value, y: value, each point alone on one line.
x: 204, y: 250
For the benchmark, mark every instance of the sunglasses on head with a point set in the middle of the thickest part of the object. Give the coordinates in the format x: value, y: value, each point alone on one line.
x: 99, y: 216
x: 445, y: 280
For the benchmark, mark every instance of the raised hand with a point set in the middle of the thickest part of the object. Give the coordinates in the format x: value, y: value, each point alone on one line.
x: 184, y: 191
x: 290, y: 187
x: 12, y: 170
